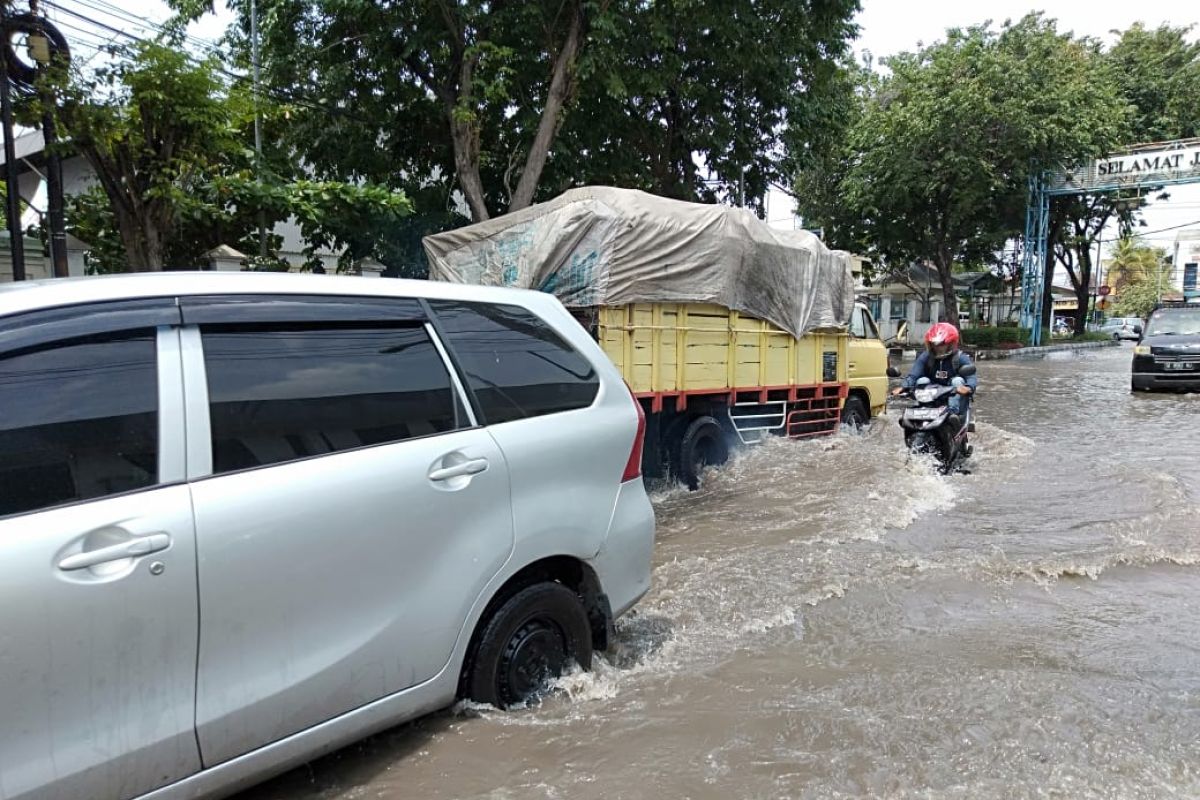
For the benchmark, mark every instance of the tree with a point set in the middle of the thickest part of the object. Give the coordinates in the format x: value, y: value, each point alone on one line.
x: 514, y: 102
x: 937, y: 162
x: 167, y: 138
x: 429, y: 90
x: 1140, y: 277
x: 1158, y: 72
x: 1076, y: 223
x: 712, y: 100
x: 151, y: 127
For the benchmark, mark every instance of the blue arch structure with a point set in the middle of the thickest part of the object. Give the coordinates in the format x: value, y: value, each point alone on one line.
x: 1148, y: 166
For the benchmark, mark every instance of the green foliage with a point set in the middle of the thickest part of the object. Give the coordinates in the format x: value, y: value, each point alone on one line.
x: 1091, y: 336
x: 997, y: 336
x: 1159, y: 75
x: 732, y: 84
x: 1139, y: 276
x: 417, y: 95
x: 169, y: 140
x: 981, y: 337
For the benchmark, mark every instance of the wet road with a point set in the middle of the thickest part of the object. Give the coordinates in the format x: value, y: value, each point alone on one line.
x: 829, y: 619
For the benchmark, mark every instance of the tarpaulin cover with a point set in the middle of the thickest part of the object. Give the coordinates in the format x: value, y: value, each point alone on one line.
x: 599, y: 245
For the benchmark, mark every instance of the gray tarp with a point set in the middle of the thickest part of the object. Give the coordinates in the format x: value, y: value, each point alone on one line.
x: 603, y: 246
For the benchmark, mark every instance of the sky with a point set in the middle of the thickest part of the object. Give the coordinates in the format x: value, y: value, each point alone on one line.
x: 886, y: 27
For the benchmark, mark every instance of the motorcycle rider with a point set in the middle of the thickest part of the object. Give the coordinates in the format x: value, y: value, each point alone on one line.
x: 940, y: 364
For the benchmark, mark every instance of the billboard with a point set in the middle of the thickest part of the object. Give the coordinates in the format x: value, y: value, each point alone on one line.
x: 1174, y: 162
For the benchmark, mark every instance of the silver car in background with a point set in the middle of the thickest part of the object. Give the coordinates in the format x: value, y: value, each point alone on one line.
x: 248, y: 518
x: 1121, y: 328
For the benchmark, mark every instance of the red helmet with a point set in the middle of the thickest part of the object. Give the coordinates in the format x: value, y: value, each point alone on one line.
x: 941, y: 340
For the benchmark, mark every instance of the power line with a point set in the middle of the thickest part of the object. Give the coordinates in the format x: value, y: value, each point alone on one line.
x: 124, y: 17
x: 1171, y: 228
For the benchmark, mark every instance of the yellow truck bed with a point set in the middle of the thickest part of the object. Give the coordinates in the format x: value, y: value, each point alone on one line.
x: 692, y: 348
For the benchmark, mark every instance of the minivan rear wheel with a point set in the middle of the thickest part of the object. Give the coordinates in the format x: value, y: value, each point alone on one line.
x: 533, y: 638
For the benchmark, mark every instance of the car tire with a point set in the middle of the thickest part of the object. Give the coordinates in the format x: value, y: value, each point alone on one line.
x: 530, y: 640
x: 701, y: 444
x: 855, y: 414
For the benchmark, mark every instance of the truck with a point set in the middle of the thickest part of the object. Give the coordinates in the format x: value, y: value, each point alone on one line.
x: 725, y: 330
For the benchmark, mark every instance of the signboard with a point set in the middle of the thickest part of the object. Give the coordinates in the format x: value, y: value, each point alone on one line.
x: 1172, y: 163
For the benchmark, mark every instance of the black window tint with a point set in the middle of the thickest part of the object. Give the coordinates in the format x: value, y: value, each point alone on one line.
x: 516, y: 364
x: 283, y: 393
x: 78, y: 421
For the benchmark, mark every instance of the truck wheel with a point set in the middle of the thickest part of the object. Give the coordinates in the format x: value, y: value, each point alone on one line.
x: 702, y: 444
x: 855, y: 414
x: 529, y: 641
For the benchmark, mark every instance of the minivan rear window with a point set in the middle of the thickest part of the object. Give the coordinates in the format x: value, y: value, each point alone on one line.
x: 281, y: 393
x: 515, y: 363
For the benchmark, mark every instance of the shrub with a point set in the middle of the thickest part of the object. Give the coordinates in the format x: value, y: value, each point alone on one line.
x: 985, y: 338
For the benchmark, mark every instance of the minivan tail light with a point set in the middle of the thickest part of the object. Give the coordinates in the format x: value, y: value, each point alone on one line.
x: 633, y: 467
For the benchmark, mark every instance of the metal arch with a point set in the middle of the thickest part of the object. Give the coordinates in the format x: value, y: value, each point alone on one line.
x: 1037, y: 218
x: 1117, y: 187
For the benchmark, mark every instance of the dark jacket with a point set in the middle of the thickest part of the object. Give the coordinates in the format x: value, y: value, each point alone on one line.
x: 939, y: 370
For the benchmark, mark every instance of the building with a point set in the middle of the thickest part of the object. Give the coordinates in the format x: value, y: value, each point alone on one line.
x: 1186, y: 263
x: 913, y: 296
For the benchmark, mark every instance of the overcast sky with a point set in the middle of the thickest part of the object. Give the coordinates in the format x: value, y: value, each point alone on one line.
x: 887, y: 27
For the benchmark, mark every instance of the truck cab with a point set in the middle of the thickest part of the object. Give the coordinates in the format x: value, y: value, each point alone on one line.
x: 866, y: 369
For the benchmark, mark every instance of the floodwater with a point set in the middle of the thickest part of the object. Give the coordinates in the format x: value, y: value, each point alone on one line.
x: 830, y: 619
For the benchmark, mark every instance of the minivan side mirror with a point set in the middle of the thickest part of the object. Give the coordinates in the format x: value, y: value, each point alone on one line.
x: 966, y: 370
x: 892, y: 372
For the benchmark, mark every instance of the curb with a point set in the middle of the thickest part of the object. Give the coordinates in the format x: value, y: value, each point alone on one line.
x: 1038, y: 352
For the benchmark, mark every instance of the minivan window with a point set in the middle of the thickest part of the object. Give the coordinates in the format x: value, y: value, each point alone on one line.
x: 517, y: 365
x: 78, y: 421
x: 280, y: 393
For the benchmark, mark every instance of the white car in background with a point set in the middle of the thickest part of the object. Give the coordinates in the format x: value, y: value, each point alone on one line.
x: 1121, y: 328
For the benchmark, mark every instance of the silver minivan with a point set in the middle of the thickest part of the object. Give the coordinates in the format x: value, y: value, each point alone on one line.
x: 1123, y: 328
x: 248, y: 518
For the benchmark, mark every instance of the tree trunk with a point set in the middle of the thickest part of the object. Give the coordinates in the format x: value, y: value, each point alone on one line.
x: 945, y: 268
x: 466, y: 161
x: 1056, y: 223
x: 560, y: 81
x: 143, y: 242
x: 464, y: 135
x: 1083, y: 286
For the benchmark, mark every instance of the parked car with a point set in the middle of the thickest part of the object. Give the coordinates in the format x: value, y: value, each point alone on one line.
x: 248, y: 518
x: 1121, y: 328
x: 1168, y: 356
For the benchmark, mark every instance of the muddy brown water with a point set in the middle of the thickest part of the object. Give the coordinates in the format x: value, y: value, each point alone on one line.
x: 830, y: 620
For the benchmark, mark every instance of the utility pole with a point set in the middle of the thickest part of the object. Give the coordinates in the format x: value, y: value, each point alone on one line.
x: 48, y: 54
x: 11, y: 176
x: 262, y: 214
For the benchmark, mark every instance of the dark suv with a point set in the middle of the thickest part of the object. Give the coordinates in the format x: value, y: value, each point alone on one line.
x: 1168, y: 354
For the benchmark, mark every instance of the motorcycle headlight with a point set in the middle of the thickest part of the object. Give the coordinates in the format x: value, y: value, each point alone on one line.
x: 1141, y: 350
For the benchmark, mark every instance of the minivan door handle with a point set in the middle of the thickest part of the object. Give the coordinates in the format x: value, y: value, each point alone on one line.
x: 143, y: 545
x: 472, y: 467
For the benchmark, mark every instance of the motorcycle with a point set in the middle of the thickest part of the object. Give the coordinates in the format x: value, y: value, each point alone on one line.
x: 928, y: 427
